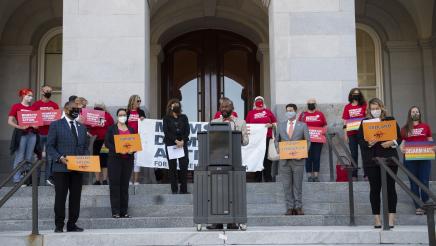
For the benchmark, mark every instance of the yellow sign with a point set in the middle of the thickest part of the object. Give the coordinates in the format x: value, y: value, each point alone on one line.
x: 126, y: 143
x: 88, y: 163
x: 293, y: 150
x: 380, y: 131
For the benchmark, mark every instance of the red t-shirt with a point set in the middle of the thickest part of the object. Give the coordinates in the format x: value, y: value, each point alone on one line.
x: 100, y: 131
x: 40, y: 105
x: 218, y: 114
x: 262, y: 116
x: 20, y: 107
x: 353, y: 112
x: 315, y: 119
x: 420, y: 133
x: 133, y: 119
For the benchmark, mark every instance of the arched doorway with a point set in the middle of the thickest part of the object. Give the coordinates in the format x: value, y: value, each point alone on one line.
x: 202, y: 66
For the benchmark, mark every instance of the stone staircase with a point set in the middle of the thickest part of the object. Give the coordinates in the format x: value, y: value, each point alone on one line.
x: 152, y: 206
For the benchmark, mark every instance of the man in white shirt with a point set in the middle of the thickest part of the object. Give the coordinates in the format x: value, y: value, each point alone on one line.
x: 291, y: 171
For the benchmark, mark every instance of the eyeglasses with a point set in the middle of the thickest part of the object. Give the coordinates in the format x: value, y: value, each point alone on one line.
x: 138, y: 101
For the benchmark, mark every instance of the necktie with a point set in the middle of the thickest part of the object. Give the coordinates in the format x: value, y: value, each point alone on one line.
x: 291, y: 129
x: 74, y: 131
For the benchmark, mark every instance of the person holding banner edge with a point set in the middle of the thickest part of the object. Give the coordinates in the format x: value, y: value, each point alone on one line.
x: 176, y: 135
x: 354, y: 112
x: 67, y: 137
x: 416, y: 131
x: 372, y: 148
x: 120, y: 166
x: 24, y: 138
x: 313, y: 119
x: 291, y: 171
x: 45, y: 104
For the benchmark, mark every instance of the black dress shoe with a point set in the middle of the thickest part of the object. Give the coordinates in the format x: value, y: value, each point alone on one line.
x: 74, y: 229
x: 215, y: 227
x: 175, y: 192
x: 232, y: 226
x: 59, y: 229
x: 184, y: 192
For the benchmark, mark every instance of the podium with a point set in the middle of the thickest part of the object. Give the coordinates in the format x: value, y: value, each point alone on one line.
x: 219, y: 195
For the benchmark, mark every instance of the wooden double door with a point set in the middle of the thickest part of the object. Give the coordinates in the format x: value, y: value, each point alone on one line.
x: 202, y: 66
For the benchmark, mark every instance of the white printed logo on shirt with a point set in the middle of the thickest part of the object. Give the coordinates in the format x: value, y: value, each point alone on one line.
x: 354, y: 113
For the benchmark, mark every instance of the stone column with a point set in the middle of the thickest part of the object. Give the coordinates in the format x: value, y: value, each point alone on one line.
x: 313, y: 50
x: 429, y: 82
x: 106, y: 50
x: 155, y: 63
x: 263, y: 58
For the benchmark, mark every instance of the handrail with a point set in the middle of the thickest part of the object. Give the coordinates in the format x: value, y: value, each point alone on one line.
x: 16, y: 169
x: 429, y: 207
x: 349, y: 167
x: 34, y: 173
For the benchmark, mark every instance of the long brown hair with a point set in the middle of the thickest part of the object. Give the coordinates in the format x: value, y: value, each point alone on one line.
x: 408, y: 127
x: 132, y: 100
x: 171, y: 102
x: 361, y: 98
x: 380, y: 104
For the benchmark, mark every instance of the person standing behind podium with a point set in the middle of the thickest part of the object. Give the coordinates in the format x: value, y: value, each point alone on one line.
x: 67, y: 137
x: 176, y: 130
x: 291, y: 171
x: 226, y: 108
x: 120, y: 166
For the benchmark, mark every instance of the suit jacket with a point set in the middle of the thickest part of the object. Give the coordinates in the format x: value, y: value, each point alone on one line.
x: 377, y: 150
x: 301, y: 132
x: 60, y: 142
x: 109, y: 140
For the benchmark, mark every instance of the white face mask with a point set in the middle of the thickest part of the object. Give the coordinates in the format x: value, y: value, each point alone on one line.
x: 376, y: 113
x: 28, y: 99
x: 122, y: 119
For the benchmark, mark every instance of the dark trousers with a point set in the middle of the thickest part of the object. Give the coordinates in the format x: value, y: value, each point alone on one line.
x: 179, y: 175
x: 422, y: 170
x: 375, y: 186
x: 314, y: 158
x: 267, y: 177
x: 119, y: 172
x: 353, y: 144
x: 64, y: 183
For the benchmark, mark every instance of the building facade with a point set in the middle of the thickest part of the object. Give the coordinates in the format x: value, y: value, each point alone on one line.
x: 199, y: 50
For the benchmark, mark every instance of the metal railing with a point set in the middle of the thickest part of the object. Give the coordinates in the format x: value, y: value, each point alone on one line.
x: 428, y: 207
x: 34, y: 173
x: 350, y: 167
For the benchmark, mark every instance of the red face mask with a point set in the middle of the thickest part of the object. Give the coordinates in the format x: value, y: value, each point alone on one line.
x: 259, y: 104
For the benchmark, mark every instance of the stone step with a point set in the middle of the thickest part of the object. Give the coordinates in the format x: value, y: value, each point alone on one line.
x: 170, y: 222
x: 287, y: 235
x: 144, y: 210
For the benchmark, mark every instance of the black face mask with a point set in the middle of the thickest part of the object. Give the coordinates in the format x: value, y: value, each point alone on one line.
x: 355, y: 98
x: 226, y: 114
x: 47, y: 95
x: 74, y: 113
x: 177, y: 110
x: 311, y: 106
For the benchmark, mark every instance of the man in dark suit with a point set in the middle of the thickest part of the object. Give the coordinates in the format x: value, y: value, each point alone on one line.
x: 67, y: 137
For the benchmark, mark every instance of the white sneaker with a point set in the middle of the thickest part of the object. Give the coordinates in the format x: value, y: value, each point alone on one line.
x: 49, y: 182
x: 23, y: 185
x: 136, y: 183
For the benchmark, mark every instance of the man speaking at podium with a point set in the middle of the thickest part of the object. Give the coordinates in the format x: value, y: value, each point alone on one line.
x: 226, y: 109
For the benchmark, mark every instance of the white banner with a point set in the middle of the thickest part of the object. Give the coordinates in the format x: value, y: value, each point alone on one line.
x: 153, y: 148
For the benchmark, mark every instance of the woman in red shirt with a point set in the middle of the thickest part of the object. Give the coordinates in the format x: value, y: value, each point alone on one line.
x: 261, y: 115
x: 354, y: 110
x: 313, y: 118
x: 24, y: 138
x: 417, y: 131
x: 99, y: 132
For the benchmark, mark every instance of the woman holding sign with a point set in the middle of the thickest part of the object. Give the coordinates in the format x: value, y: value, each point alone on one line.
x: 353, y: 114
x: 316, y: 122
x: 176, y: 130
x: 24, y: 137
x: 417, y: 135
x: 120, y: 166
x: 379, y: 145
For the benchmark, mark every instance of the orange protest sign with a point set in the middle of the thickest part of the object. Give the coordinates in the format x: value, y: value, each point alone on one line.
x: 89, y: 163
x: 380, y: 131
x: 293, y: 149
x: 127, y: 143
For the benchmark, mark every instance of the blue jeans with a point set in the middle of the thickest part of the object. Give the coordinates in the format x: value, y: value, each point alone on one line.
x: 422, y: 170
x: 43, y: 146
x: 353, y: 144
x: 24, y: 152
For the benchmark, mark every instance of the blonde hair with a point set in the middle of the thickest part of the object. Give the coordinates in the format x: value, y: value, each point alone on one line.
x: 81, y: 101
x: 100, y: 105
x: 378, y: 102
x: 132, y: 100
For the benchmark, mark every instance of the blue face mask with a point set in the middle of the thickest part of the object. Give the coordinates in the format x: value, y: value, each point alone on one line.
x: 290, y: 115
